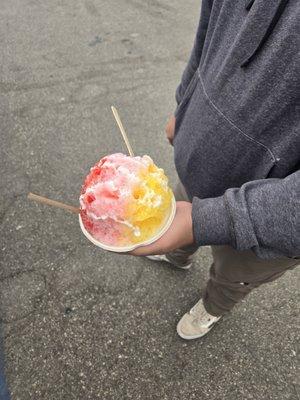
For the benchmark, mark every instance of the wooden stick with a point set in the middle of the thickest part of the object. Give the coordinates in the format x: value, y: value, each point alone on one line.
x: 121, y: 127
x: 49, y: 202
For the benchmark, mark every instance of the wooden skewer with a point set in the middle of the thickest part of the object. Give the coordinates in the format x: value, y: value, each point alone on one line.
x: 54, y: 203
x: 121, y: 127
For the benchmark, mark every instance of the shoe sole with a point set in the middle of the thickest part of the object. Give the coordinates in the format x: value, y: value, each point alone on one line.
x: 169, y: 262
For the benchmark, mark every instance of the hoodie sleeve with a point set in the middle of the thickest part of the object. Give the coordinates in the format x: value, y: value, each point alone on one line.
x: 195, y: 56
x: 262, y: 215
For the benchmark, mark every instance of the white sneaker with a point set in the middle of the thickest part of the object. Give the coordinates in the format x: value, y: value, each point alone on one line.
x: 163, y: 258
x: 196, y: 323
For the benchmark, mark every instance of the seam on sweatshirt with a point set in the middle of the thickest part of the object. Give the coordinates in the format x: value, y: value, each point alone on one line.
x: 232, y: 123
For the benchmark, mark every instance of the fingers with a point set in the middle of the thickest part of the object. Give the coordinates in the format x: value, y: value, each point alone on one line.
x: 158, y: 247
x: 145, y: 251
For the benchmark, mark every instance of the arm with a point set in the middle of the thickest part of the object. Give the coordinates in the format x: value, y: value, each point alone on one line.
x: 262, y: 215
x: 197, y: 50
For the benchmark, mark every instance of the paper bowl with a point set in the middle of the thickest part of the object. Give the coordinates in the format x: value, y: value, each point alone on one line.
x: 125, y: 249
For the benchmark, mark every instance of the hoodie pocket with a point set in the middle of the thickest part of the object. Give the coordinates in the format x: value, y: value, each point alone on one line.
x: 212, y: 154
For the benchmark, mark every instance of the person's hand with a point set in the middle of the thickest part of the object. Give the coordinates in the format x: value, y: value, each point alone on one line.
x: 170, y: 128
x: 179, y: 234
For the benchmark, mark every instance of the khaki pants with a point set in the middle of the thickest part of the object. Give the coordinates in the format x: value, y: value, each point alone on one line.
x: 233, y: 273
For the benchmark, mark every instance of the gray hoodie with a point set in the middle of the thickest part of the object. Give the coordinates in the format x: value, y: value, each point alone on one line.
x: 237, y: 133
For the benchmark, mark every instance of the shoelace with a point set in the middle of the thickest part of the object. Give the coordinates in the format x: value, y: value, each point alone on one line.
x: 201, y: 315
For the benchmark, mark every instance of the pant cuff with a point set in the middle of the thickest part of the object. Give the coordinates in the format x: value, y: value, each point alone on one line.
x: 179, y: 263
x: 213, y: 309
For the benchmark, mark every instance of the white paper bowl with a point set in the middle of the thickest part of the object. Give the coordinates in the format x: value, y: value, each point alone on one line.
x: 125, y: 249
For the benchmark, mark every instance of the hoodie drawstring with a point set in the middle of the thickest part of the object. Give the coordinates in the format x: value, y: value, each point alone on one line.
x: 277, y: 15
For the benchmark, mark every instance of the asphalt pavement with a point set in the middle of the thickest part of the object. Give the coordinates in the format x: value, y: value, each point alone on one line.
x: 81, y: 323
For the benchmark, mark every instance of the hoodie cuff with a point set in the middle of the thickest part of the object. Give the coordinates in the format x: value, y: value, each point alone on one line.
x: 211, y: 222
